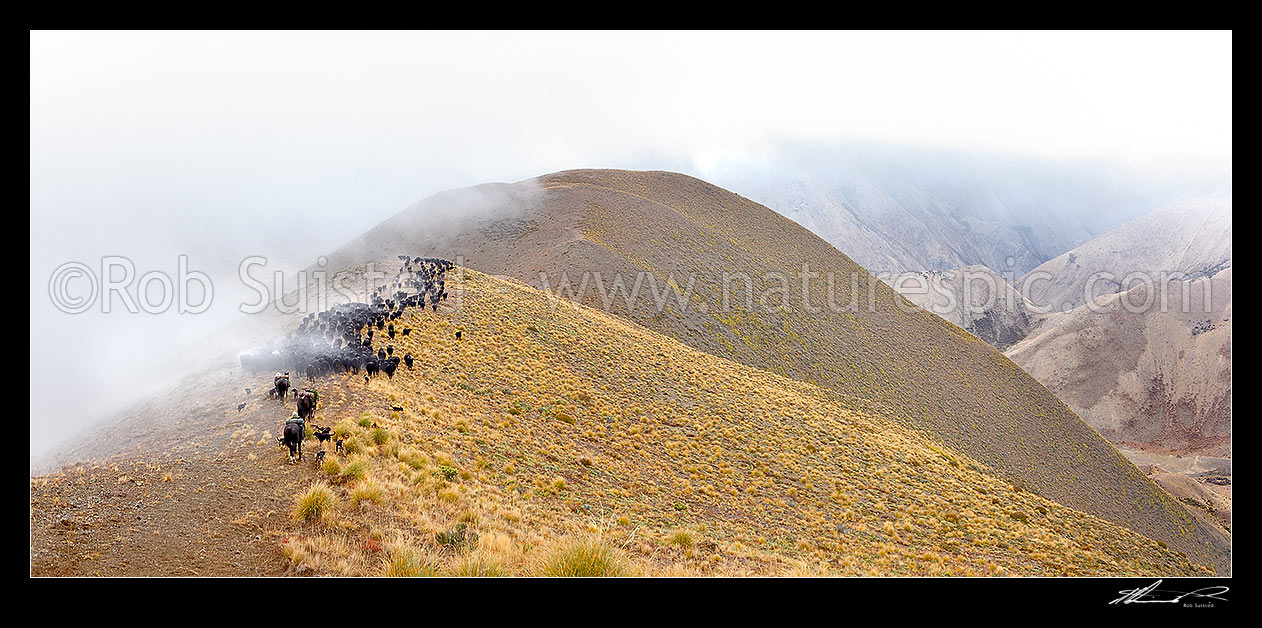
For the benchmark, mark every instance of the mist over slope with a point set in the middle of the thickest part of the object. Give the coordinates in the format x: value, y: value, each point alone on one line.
x: 900, y: 209
x: 1189, y: 236
x: 669, y: 231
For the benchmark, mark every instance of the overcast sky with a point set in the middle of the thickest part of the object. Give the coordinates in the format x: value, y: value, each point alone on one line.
x: 222, y: 145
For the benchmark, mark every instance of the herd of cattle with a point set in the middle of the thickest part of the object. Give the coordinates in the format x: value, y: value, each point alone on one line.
x: 340, y: 340
x: 335, y: 341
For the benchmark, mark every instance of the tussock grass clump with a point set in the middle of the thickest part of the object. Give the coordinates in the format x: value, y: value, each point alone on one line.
x: 406, y: 563
x: 478, y: 565
x: 380, y: 436
x: 412, y: 458
x: 456, y: 536
x: 331, y: 467
x: 344, y: 429
x: 682, y: 539
x: 585, y: 558
x: 367, y: 491
x: 353, y: 471
x: 314, y: 504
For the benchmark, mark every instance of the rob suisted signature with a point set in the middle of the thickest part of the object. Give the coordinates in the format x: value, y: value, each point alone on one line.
x: 1152, y: 595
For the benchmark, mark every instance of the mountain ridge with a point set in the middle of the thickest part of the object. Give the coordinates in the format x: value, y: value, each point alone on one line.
x: 895, y: 360
x: 585, y: 221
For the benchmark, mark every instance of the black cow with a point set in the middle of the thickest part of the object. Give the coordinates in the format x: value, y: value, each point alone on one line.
x: 282, y: 384
x: 306, y: 405
x: 293, y: 440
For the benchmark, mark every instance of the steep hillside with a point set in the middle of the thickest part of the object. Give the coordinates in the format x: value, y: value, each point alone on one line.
x: 1191, y: 236
x: 555, y: 439
x: 1208, y: 500
x: 975, y: 298
x: 1149, y: 364
x: 1155, y: 378
x: 691, y: 246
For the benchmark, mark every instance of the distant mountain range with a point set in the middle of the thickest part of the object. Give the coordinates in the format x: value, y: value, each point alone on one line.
x: 1148, y: 362
x: 1191, y: 237
x: 1150, y: 377
x: 896, y: 210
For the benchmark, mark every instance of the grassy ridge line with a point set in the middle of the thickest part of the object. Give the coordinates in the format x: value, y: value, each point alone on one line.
x: 554, y: 439
x: 936, y: 377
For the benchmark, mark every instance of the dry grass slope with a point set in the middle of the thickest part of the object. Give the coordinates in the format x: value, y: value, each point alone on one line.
x: 558, y: 440
x: 913, y: 366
